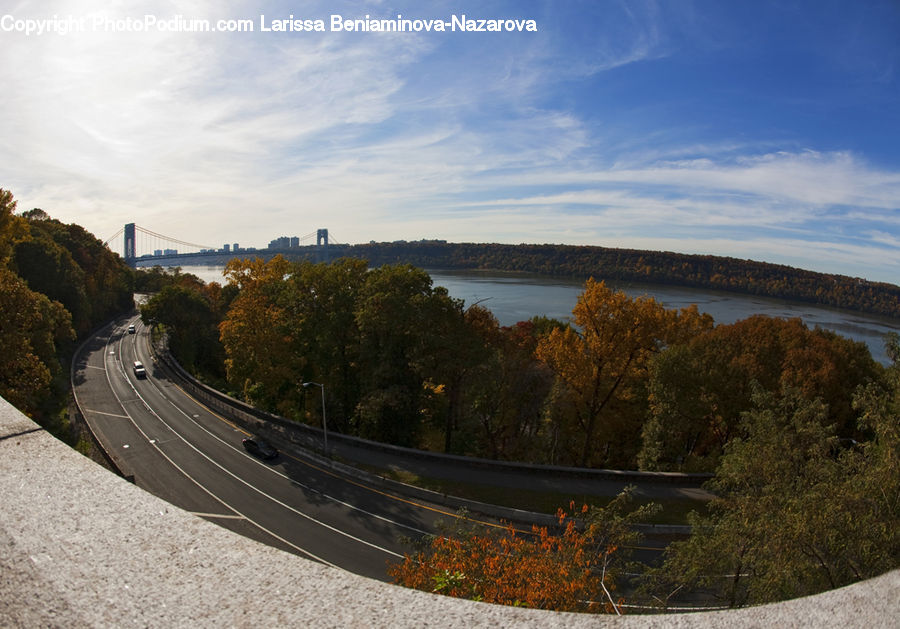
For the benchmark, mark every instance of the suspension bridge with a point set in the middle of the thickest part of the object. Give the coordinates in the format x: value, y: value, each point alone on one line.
x: 143, y: 247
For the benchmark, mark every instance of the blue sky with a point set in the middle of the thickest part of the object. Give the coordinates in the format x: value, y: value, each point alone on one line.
x: 761, y: 130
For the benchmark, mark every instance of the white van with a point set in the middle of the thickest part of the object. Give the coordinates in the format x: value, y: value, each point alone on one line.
x: 139, y: 370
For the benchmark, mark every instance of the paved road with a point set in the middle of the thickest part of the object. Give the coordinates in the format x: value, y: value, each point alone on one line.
x: 182, y: 452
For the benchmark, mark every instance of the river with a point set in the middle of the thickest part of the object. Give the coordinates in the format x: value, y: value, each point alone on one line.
x: 516, y: 297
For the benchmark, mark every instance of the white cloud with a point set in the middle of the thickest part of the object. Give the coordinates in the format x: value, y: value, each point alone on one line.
x: 222, y: 138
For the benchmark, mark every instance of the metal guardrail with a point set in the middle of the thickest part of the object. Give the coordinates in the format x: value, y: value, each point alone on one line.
x: 311, y: 437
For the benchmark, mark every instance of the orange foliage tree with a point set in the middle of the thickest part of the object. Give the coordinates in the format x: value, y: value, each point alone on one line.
x: 603, y: 364
x: 571, y: 569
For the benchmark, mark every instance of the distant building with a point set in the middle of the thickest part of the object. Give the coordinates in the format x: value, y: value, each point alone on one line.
x: 157, y: 252
x: 284, y: 243
x: 226, y: 248
x: 235, y: 247
x: 170, y: 252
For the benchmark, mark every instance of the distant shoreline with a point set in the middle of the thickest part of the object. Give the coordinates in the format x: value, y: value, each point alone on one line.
x: 727, y: 274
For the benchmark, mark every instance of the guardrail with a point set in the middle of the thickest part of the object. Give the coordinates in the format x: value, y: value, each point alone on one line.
x: 311, y: 437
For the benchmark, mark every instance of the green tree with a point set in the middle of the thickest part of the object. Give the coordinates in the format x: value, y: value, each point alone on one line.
x: 49, y: 268
x: 191, y: 325
x: 321, y: 303
x: 506, y: 394
x: 392, y: 317
x: 796, y: 511
x: 13, y: 229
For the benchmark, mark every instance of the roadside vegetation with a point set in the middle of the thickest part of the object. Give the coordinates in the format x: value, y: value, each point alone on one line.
x: 57, y: 283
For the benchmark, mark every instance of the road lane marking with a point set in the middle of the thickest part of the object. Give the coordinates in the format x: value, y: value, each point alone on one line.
x: 241, y: 480
x: 201, y: 486
x: 381, y: 493
x: 220, y: 516
x: 122, y: 370
x: 87, y: 410
x: 310, y: 465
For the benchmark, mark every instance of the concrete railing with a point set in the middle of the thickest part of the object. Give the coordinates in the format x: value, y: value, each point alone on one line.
x: 80, y: 546
x: 311, y: 437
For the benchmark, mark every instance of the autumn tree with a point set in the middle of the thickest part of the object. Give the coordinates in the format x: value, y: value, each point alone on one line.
x: 506, y: 392
x: 572, y: 568
x: 698, y: 390
x: 602, y: 364
x: 33, y: 328
x: 258, y: 336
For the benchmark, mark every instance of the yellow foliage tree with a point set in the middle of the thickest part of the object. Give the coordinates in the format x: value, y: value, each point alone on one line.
x: 606, y: 354
x: 257, y: 334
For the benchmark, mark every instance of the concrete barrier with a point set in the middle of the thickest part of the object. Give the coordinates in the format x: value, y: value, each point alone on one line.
x: 311, y: 437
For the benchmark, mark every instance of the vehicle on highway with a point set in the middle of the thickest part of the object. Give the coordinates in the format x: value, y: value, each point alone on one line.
x: 131, y: 329
x: 258, y: 447
x: 139, y: 370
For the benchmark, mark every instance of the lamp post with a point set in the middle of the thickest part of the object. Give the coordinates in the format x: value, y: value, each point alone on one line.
x: 324, y: 422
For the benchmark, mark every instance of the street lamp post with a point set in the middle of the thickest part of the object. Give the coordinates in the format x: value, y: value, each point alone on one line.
x: 324, y: 422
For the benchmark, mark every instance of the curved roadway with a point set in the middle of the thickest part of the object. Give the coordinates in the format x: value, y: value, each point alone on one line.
x: 179, y: 450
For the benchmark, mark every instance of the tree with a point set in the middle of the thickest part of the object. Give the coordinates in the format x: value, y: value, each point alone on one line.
x: 321, y: 302
x: 603, y: 365
x: 190, y: 322
x: 13, y: 229
x: 796, y: 511
x: 698, y: 390
x: 394, y: 313
x: 49, y: 268
x: 574, y: 568
x: 32, y: 329
x: 258, y: 336
x: 506, y: 394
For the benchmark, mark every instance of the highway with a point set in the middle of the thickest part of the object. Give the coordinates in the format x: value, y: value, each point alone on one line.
x: 179, y: 450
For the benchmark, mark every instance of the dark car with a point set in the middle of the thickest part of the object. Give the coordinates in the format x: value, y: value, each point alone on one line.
x: 258, y: 447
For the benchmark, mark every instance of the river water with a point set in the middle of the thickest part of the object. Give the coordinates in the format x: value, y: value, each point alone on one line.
x: 516, y: 297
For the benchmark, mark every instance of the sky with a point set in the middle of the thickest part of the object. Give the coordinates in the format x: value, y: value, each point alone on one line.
x: 767, y: 130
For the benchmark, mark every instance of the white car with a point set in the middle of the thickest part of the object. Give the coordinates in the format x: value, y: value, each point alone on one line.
x: 139, y: 370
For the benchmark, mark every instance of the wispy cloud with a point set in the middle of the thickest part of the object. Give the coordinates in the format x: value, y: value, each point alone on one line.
x: 216, y: 137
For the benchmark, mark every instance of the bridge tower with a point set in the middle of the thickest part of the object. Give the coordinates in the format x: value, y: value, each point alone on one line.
x: 322, y: 245
x: 130, y: 245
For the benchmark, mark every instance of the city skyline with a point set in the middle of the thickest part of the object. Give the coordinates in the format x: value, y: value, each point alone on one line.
x: 759, y: 130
